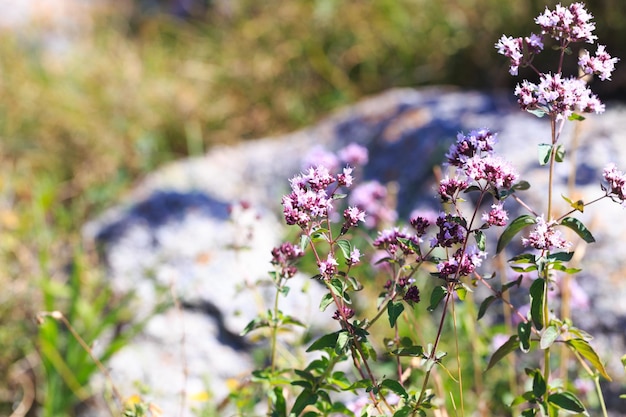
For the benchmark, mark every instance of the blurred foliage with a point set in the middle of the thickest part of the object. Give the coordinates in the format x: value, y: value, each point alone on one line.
x: 80, y: 124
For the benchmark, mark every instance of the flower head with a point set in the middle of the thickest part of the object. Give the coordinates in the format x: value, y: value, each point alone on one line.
x: 545, y: 236
x: 602, y: 64
x: 497, y: 216
x: 570, y: 24
x: 617, y: 183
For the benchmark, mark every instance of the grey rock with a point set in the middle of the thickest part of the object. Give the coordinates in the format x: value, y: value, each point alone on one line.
x: 175, y: 232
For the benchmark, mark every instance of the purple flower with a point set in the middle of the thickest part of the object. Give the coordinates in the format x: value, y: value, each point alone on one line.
x: 468, y: 146
x: 462, y: 264
x: 345, y: 178
x: 545, y: 236
x: 354, y: 154
x: 511, y: 48
x: 617, y: 183
x: 412, y: 295
x: 450, y: 232
x: 328, y: 268
x: 570, y: 24
x: 388, y: 239
x: 284, y: 256
x: 371, y: 197
x: 492, y: 169
x: 353, y: 216
x: 346, y: 312
x: 355, y: 257
x: 602, y: 64
x: 449, y: 188
x: 497, y: 216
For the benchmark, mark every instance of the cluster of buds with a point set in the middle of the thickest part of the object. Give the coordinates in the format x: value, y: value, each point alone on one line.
x: 284, y: 257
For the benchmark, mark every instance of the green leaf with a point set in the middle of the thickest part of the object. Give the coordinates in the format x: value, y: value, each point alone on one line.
x: 549, y: 335
x: 536, y: 112
x: 327, y: 300
x: 576, y: 205
x: 512, y: 229
x: 559, y: 155
x: 509, y: 346
x: 536, y: 302
x: 522, y: 185
x: 305, y: 398
x: 395, y: 387
x: 409, y: 351
x: 523, y: 333
x: 481, y: 240
x: 346, y: 248
x: 485, y: 305
x: 586, y: 351
x: 325, y: 342
x: 404, y: 411
x: 343, y: 338
x: 436, y: 296
x: 394, y: 309
x: 539, y: 384
x: 580, y: 229
x: 278, y: 400
x: 575, y: 116
x: 561, y: 256
x: 566, y: 401
x: 256, y: 323
x: 543, y: 153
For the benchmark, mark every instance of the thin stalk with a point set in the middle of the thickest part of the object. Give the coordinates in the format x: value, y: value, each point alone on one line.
x: 596, y: 380
x: 458, y: 360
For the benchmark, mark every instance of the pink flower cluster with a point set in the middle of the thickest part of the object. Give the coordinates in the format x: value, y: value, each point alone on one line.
x: 473, y: 154
x: 372, y: 197
x: 497, y: 216
x: 450, y: 231
x: 284, y: 256
x: 617, y: 183
x: 389, y: 240
x: 462, y: 264
x: 555, y: 94
x: 545, y: 236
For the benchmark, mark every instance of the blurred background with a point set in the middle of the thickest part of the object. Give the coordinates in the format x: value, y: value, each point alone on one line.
x: 95, y: 94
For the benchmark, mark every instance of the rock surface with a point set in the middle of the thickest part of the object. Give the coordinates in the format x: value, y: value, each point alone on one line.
x: 175, y: 231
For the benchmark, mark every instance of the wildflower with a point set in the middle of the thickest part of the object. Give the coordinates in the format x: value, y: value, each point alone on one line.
x: 354, y: 154
x: 420, y: 224
x: 328, y: 268
x: 388, y: 239
x: 601, y: 64
x: 345, y: 178
x: 345, y: 313
x: 450, y: 231
x: 568, y: 24
x: 355, y: 257
x: 617, y: 183
x: 545, y: 236
x: 449, y: 188
x: 467, y: 146
x: 284, y: 255
x: 412, y: 295
x: 371, y: 197
x: 494, y: 170
x: 497, y: 216
x: 461, y: 264
x: 353, y: 215
x: 512, y: 49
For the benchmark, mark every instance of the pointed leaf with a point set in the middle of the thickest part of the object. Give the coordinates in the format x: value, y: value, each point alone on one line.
x: 512, y: 229
x: 485, y: 305
x: 559, y: 155
x: 305, y: 398
x: 536, y: 302
x: 436, y: 296
x: 586, y: 351
x: 324, y: 342
x: 481, y: 240
x: 539, y: 384
x: 566, y: 401
x: 549, y: 335
x: 543, y: 153
x: 345, y: 247
x: 327, y: 300
x: 394, y: 386
x: 509, y: 346
x: 580, y: 229
x: 523, y: 332
x: 394, y: 309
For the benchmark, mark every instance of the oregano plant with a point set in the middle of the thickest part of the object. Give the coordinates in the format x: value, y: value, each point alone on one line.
x: 380, y: 359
